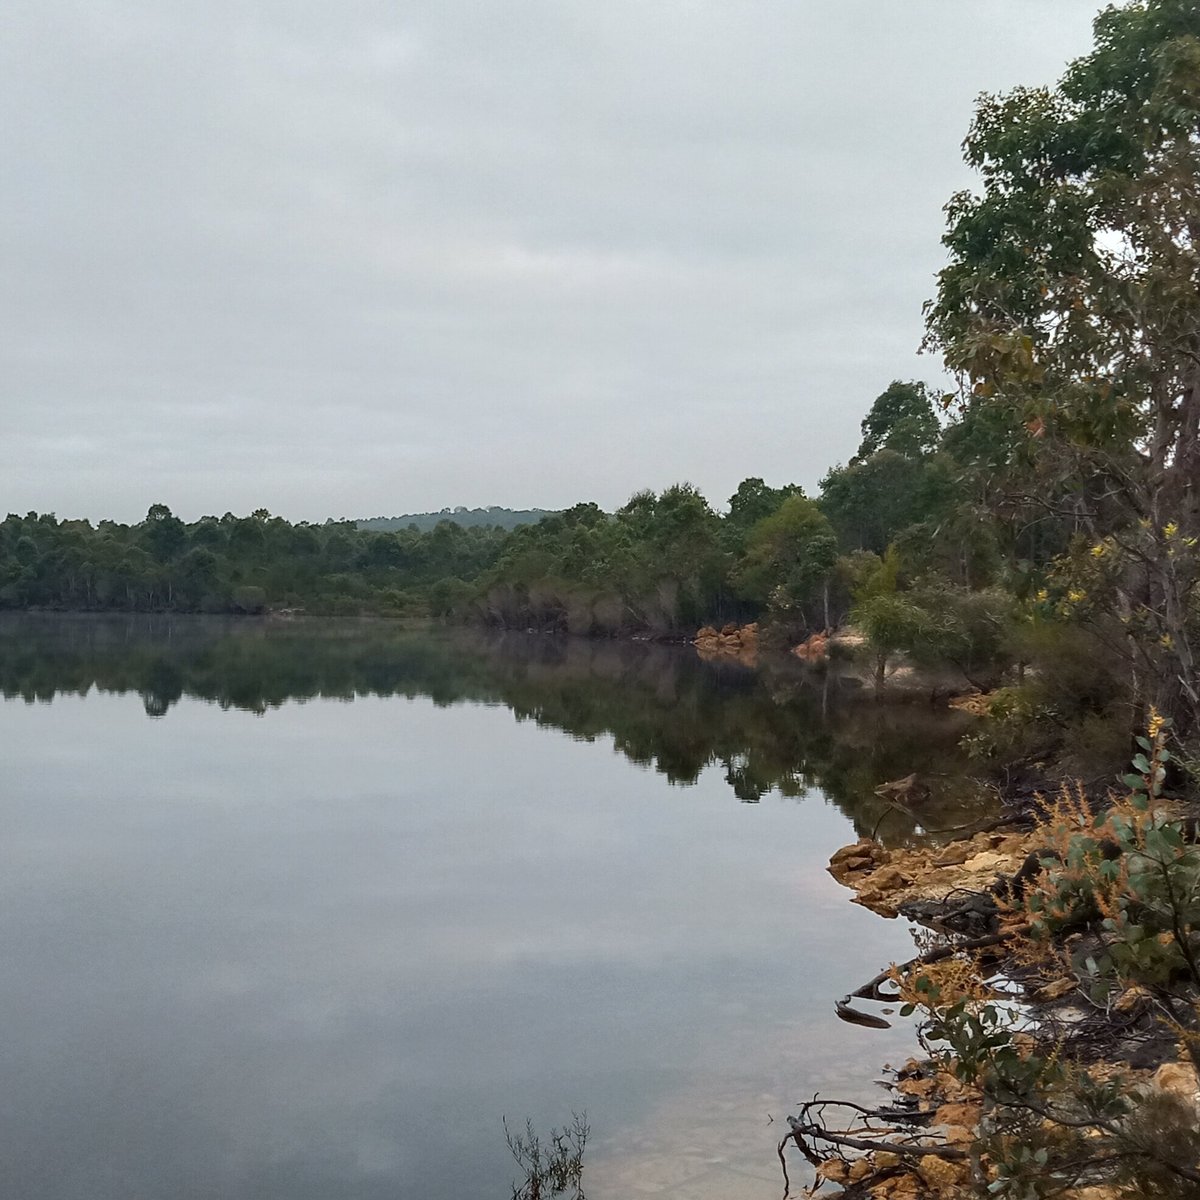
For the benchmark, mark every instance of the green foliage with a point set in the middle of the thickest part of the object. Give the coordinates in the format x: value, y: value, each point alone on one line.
x: 1070, y: 310
x: 754, y: 500
x: 890, y: 623
x: 972, y: 630
x: 902, y: 419
x: 872, y: 500
x: 789, y: 556
x: 248, y: 599
x: 657, y: 566
x: 1144, y: 895
x: 230, y: 564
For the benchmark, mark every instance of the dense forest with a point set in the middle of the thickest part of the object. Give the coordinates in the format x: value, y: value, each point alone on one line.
x: 1039, y: 525
x: 231, y: 564
x: 468, y: 518
x: 661, y: 565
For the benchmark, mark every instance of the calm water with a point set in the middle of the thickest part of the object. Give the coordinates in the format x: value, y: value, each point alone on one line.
x: 297, y: 911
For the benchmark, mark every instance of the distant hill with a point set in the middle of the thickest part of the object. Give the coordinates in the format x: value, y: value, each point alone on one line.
x: 505, y: 518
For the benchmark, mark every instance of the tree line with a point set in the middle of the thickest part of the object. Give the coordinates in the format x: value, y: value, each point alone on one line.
x: 660, y: 565
x: 231, y: 564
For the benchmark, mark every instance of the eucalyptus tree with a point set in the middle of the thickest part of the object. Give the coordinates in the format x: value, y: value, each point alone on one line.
x: 1071, y: 302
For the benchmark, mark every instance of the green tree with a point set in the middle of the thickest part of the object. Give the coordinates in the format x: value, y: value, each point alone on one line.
x: 755, y: 500
x: 1072, y: 302
x: 163, y: 533
x: 902, y: 419
x: 870, y: 501
x: 789, y: 558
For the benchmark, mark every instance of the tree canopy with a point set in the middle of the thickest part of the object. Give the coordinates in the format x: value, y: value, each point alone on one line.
x: 1072, y: 304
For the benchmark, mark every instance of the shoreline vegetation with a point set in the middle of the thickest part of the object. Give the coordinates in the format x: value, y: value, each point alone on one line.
x: 1057, y: 988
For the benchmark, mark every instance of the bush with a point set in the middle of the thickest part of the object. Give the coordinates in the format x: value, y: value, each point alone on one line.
x: 249, y: 599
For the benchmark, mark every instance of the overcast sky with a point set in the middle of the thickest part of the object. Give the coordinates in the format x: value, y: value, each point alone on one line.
x: 342, y: 258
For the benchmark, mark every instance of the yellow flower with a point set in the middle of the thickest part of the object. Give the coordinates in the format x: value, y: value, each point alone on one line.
x: 1099, y: 550
x: 1170, y: 529
x: 1076, y: 596
x: 1042, y: 596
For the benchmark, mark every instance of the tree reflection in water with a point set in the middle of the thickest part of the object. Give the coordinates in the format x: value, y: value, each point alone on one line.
x: 780, y: 727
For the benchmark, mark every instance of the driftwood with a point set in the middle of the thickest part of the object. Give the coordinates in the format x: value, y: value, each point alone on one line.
x: 883, y: 1129
x: 854, y: 1017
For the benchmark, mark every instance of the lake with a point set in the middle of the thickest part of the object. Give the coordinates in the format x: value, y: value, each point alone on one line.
x: 302, y: 909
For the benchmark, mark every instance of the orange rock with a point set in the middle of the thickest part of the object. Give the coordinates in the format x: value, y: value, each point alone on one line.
x: 939, y: 1173
x: 1178, y: 1079
x: 989, y: 860
x: 834, y: 1170
x: 864, y: 855
x: 1132, y: 998
x: 958, y: 1114
x: 900, y: 1187
x: 860, y: 862
x: 952, y: 1089
x: 877, y: 903
x: 959, y: 1135
x: 864, y: 846
x: 728, y: 640
x: 812, y: 649
x: 953, y: 855
x: 887, y: 879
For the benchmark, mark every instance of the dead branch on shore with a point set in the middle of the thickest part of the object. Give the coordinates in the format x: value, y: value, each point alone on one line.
x: 892, y: 1130
x: 870, y: 989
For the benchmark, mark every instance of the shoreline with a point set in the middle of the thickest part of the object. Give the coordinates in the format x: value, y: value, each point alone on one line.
x: 967, y: 893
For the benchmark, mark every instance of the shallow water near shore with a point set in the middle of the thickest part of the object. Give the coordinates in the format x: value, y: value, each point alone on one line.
x: 303, y: 909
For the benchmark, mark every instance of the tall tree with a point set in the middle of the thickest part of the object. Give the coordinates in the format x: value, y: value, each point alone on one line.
x: 1072, y: 300
x: 902, y: 419
x: 754, y: 500
x: 789, y: 558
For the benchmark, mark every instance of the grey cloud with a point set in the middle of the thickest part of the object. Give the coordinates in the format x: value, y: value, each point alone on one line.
x: 358, y: 258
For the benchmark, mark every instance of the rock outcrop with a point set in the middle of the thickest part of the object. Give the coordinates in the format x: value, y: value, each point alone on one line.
x: 813, y: 649
x: 886, y: 880
x: 730, y: 641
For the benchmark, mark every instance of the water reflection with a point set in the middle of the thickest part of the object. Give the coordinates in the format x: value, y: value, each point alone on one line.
x: 779, y: 728
x: 319, y: 954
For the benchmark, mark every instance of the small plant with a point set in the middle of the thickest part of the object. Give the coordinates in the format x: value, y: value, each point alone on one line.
x: 554, y: 1170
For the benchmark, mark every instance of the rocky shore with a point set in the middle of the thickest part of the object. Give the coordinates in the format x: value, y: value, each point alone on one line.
x: 934, y: 1136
